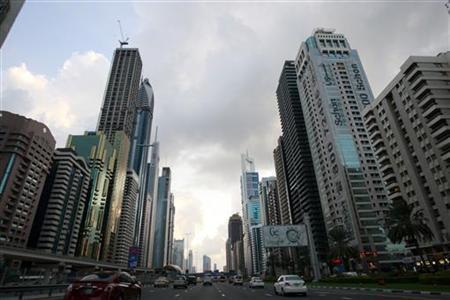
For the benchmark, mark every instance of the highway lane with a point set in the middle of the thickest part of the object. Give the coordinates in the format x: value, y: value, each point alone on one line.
x: 225, y: 291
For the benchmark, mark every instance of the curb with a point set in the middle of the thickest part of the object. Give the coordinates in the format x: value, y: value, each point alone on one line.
x: 396, y: 291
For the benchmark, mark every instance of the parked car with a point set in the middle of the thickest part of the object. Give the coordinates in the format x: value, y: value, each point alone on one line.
x: 192, y: 279
x: 223, y: 278
x: 256, y: 282
x: 237, y: 280
x: 104, y: 286
x: 207, y: 280
x: 290, y: 284
x: 161, y: 282
x: 180, y: 281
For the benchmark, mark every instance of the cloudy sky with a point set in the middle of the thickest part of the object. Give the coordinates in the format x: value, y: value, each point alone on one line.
x: 214, y: 67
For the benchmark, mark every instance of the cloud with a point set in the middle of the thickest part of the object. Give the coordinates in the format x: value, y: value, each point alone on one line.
x: 68, y: 103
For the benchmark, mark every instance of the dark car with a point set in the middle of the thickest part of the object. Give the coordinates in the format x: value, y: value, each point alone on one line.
x: 192, y: 279
x: 104, y: 286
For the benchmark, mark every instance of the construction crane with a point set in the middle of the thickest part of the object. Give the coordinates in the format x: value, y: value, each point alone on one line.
x: 123, y: 41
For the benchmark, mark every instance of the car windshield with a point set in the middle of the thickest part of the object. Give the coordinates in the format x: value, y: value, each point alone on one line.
x: 291, y: 278
x: 98, y: 277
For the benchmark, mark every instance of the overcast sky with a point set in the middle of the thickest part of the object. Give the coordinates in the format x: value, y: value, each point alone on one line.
x: 214, y: 68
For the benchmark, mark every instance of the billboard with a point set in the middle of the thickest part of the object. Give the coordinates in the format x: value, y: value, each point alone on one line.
x: 133, y: 256
x: 285, y: 236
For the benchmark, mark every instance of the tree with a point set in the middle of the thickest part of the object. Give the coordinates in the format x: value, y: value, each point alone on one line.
x: 340, y: 245
x: 408, y: 224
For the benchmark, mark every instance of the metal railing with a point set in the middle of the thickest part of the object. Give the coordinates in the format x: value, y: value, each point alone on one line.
x: 32, y: 291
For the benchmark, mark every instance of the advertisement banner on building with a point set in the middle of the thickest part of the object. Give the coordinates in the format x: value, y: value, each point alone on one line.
x: 284, y: 236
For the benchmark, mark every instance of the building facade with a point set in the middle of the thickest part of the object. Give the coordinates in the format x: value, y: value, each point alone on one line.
x: 100, y: 156
x: 178, y: 253
x: 300, y: 177
x: 162, y: 219
x: 126, y: 229
x: 26, y: 150
x: 138, y: 160
x: 236, y: 236
x: 333, y: 92
x: 9, y: 9
x: 282, y: 185
x: 206, y: 263
x: 409, y: 127
x: 119, y: 104
x: 170, y: 229
x: 63, y: 200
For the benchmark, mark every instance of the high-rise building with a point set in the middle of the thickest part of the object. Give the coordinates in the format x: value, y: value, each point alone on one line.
x: 137, y: 160
x: 251, y: 211
x: 409, y: 127
x: 270, y: 206
x: 58, y: 219
x: 227, y: 267
x: 215, y: 267
x: 235, y: 236
x: 162, y: 219
x: 170, y: 229
x: 9, y: 9
x: 333, y: 91
x: 100, y: 157
x: 119, y: 105
x: 152, y: 196
x: 178, y: 253
x: 190, y: 264
x: 26, y: 150
x: 116, y: 121
x: 300, y: 178
x: 127, y: 219
x: 282, y: 185
x: 206, y: 263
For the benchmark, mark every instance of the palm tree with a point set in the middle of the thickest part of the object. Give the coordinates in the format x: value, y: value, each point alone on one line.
x: 405, y: 223
x: 340, y: 245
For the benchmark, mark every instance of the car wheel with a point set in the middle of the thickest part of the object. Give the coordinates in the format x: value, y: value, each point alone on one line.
x: 282, y: 292
x: 275, y: 291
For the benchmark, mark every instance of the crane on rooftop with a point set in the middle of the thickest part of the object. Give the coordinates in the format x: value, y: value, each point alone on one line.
x: 124, y: 40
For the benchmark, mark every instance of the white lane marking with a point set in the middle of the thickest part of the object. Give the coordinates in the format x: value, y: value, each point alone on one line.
x: 223, y: 295
x: 269, y: 295
x: 346, y: 298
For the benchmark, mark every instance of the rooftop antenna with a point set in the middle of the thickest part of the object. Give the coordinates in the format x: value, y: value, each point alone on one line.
x: 123, y: 41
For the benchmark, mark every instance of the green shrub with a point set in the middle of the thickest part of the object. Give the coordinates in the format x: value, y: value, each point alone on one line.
x: 438, y: 278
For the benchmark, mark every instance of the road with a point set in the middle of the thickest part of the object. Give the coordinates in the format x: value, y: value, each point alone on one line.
x: 225, y: 291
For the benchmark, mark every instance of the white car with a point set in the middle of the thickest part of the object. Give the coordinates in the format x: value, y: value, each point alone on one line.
x: 237, y: 280
x: 256, y: 282
x: 290, y: 284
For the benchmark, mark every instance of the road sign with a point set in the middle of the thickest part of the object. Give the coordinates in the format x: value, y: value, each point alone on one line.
x: 133, y: 256
x: 285, y: 236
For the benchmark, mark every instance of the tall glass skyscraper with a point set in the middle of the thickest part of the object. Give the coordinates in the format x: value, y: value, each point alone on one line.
x: 251, y: 211
x: 333, y: 91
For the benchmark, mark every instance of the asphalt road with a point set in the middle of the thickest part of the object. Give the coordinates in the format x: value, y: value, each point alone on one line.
x: 225, y: 291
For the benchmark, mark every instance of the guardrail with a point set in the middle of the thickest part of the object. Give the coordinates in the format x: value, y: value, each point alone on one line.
x: 32, y: 291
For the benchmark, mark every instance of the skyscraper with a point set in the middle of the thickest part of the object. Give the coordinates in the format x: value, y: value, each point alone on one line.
x: 9, y: 9
x: 58, y: 219
x: 300, y: 178
x: 227, y: 267
x: 333, y: 91
x: 251, y: 211
x: 170, y: 229
x: 282, y: 185
x: 206, y: 263
x: 26, y: 149
x: 190, y: 264
x: 409, y: 128
x: 270, y: 206
x: 127, y: 218
x: 152, y: 196
x: 178, y: 253
x: 100, y: 157
x: 235, y: 236
x: 119, y: 105
x: 162, y: 219
x: 137, y: 161
x: 116, y: 121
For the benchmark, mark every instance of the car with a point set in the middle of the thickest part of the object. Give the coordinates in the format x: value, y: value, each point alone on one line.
x: 192, y: 279
x: 231, y: 279
x: 290, y: 284
x: 199, y: 280
x: 256, y: 282
x: 237, y: 280
x: 180, y: 281
x: 207, y: 280
x: 104, y: 286
x: 161, y: 282
x: 223, y: 278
